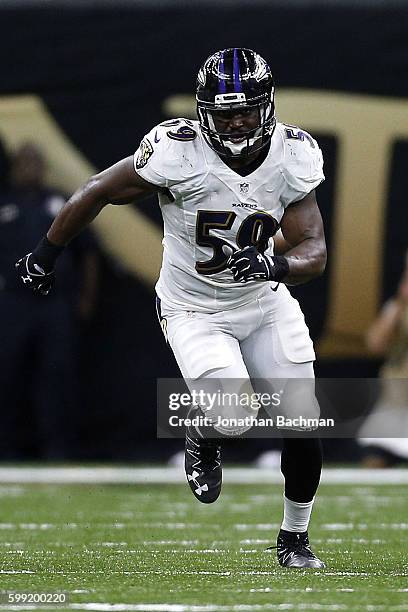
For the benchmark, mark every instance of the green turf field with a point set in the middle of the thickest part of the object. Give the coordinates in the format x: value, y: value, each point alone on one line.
x: 136, y: 546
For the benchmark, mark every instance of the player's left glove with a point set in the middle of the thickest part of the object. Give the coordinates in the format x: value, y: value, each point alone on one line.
x: 33, y: 275
x: 249, y: 264
x: 36, y: 269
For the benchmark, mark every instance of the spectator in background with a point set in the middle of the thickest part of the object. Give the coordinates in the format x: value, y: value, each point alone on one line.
x: 39, y: 342
x: 388, y: 337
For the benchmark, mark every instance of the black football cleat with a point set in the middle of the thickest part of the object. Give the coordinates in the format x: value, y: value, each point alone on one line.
x: 293, y: 550
x: 203, y: 467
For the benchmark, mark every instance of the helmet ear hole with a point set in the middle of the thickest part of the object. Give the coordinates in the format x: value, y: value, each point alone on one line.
x: 233, y: 79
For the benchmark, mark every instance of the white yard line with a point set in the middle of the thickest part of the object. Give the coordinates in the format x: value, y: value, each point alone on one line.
x: 202, y: 608
x: 101, y: 607
x: 171, y: 475
x: 159, y: 607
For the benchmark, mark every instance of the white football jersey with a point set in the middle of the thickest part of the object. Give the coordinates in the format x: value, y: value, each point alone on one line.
x: 206, y: 205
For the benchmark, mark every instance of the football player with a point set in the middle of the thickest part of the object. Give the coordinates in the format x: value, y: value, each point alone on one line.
x: 226, y: 183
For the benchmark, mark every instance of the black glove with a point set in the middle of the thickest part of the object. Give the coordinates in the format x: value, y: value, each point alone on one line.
x: 248, y: 264
x: 33, y: 275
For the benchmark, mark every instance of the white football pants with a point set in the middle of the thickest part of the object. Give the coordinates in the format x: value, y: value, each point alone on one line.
x: 266, y: 340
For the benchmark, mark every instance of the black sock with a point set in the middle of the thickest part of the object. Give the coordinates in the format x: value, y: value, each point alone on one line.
x: 301, y: 466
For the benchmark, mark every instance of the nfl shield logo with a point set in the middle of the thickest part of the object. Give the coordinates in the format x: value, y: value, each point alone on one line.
x: 244, y: 188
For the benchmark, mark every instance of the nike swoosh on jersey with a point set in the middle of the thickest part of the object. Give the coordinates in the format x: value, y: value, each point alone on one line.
x: 156, y: 139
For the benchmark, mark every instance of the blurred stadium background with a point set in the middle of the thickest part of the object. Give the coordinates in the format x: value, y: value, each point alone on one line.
x: 86, y: 79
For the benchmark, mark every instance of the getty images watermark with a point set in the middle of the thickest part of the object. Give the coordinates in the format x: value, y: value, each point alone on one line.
x: 236, y: 409
x: 209, y: 400
x: 206, y: 406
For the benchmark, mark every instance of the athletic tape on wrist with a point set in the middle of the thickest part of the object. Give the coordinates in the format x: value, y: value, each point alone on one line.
x: 46, y: 254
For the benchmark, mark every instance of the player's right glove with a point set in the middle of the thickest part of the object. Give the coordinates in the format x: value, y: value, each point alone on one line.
x: 34, y: 276
x: 248, y: 264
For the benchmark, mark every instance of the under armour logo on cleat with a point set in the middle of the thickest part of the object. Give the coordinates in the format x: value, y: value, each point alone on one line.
x: 260, y: 258
x: 200, y: 488
x: 193, y: 477
x: 26, y: 279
